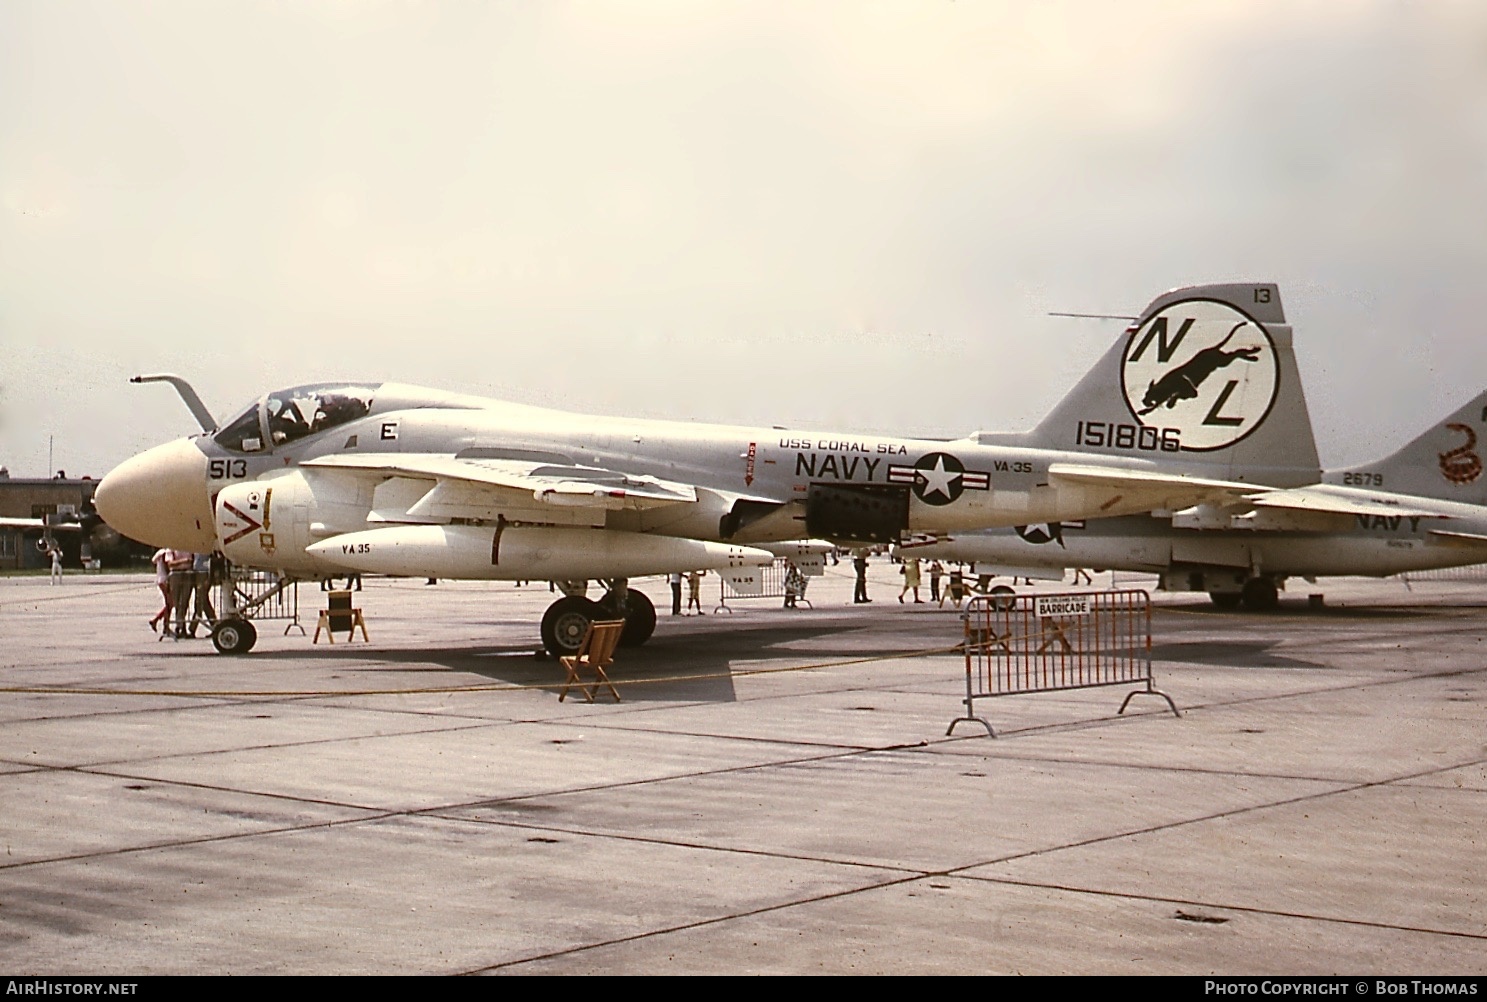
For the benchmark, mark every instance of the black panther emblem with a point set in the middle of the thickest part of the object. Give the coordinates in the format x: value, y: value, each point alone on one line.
x: 1182, y: 382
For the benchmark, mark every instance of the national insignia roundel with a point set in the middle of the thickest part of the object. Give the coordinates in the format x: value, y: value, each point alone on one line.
x: 938, y: 478
x: 1041, y: 532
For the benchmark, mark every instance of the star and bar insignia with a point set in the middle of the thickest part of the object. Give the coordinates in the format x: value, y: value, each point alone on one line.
x: 938, y: 478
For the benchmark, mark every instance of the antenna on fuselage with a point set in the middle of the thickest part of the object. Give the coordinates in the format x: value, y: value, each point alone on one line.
x: 193, y: 402
x: 1095, y: 316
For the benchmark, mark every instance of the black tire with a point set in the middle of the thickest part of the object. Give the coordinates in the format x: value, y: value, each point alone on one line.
x: 1260, y: 595
x: 1002, y: 597
x: 565, y: 622
x: 640, y: 619
x: 234, y: 636
x: 1225, y: 599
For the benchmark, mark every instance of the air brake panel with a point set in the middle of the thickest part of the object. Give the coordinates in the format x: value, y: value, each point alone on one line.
x: 858, y: 513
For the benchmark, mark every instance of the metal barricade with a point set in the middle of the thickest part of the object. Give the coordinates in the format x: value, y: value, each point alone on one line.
x: 772, y: 585
x: 258, y: 595
x: 1054, y: 642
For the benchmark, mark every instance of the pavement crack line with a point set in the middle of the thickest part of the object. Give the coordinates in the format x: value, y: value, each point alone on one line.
x: 375, y: 814
x: 189, y: 842
x: 793, y: 857
x: 1235, y: 812
x: 1243, y: 909
x: 1350, y: 687
x: 688, y: 926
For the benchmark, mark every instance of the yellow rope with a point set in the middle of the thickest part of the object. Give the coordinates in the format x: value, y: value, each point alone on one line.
x: 71, y: 593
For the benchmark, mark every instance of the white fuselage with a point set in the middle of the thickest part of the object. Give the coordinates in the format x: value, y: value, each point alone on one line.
x: 1367, y: 545
x: 742, y: 485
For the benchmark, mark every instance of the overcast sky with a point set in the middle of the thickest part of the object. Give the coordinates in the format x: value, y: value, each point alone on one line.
x: 853, y: 216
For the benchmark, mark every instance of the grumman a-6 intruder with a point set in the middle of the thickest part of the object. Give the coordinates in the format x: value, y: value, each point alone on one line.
x: 1199, y: 402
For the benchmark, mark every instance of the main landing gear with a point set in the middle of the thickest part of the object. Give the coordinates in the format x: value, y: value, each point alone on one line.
x: 567, y: 620
x: 1257, y: 595
x: 1260, y: 595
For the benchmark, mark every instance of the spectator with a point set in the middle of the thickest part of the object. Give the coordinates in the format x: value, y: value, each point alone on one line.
x: 182, y: 583
x: 676, y: 592
x: 859, y: 564
x: 694, y: 592
x: 910, y: 571
x: 794, y: 585
x: 956, y: 591
x: 201, y: 582
x: 54, y: 550
x: 162, y: 581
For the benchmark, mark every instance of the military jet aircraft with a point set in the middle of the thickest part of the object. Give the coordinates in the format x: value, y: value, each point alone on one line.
x: 1423, y: 507
x: 49, y: 526
x: 1198, y: 402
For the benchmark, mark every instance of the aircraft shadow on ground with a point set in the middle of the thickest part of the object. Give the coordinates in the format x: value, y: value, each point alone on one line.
x: 1295, y: 607
x: 1228, y: 654
x: 679, y: 667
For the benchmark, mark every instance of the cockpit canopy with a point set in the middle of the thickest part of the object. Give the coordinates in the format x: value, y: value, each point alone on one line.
x: 292, y: 414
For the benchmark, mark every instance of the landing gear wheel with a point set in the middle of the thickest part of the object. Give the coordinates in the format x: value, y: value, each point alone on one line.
x: 1002, y: 598
x: 1225, y: 599
x: 640, y: 619
x: 234, y: 636
x: 1260, y: 595
x: 565, y: 622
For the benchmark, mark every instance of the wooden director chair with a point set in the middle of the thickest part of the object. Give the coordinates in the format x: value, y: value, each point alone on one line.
x: 595, y: 653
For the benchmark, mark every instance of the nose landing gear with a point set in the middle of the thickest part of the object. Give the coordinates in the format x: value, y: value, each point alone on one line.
x: 234, y: 636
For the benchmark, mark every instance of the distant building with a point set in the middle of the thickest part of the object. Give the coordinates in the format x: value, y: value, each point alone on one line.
x: 59, y: 499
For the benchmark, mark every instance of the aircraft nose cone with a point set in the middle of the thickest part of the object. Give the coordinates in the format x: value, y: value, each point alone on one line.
x: 160, y: 497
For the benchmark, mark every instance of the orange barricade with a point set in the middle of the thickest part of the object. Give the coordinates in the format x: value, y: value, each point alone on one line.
x: 1053, y: 642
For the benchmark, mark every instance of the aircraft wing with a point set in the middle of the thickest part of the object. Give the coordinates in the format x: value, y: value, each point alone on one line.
x: 1466, y: 539
x: 546, y: 483
x: 1319, y: 500
x: 1333, y: 502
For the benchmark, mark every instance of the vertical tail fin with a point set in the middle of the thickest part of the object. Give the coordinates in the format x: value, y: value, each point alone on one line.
x: 1445, y: 462
x: 1204, y: 380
